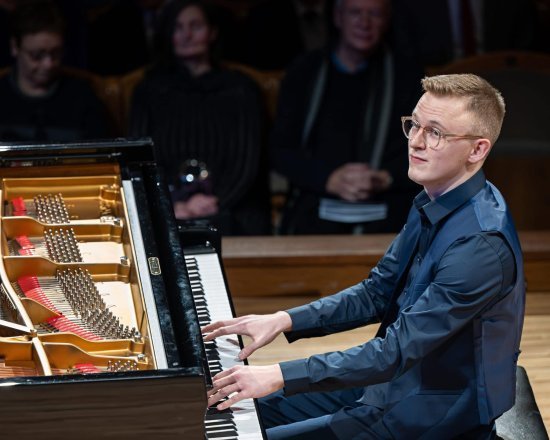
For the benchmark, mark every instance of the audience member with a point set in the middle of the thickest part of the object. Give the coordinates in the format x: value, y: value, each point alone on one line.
x: 39, y: 103
x: 337, y: 136
x: 449, y: 294
x: 440, y: 31
x: 277, y: 31
x: 204, y: 121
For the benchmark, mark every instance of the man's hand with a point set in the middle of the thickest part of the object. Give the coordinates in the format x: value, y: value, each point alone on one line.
x: 244, y: 382
x: 198, y: 205
x: 262, y: 329
x: 357, y: 181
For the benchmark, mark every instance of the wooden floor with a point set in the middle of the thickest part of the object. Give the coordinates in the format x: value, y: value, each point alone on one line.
x: 535, y: 345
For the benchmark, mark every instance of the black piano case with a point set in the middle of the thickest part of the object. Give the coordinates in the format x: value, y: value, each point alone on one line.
x: 99, y: 336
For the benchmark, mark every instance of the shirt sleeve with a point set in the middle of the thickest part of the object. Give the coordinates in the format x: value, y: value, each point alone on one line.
x: 472, y: 272
x: 362, y: 304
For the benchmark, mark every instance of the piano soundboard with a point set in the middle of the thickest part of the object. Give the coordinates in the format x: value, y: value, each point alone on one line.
x: 99, y: 331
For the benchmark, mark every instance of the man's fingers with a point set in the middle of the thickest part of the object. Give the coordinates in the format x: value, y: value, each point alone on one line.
x: 211, y: 327
x: 237, y: 397
x: 218, y: 377
x: 222, y: 331
x: 221, y: 325
x: 221, y: 393
x: 248, y: 350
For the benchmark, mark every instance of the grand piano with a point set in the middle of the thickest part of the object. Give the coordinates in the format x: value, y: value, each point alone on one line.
x: 100, y: 308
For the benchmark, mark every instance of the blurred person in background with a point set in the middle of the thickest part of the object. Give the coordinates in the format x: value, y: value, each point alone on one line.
x: 205, y: 122
x: 39, y: 102
x: 337, y: 137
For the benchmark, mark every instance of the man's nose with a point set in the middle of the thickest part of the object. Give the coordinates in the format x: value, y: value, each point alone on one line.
x: 365, y: 18
x: 417, y: 139
x: 48, y: 62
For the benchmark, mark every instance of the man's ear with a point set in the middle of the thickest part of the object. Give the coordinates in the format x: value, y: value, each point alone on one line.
x: 480, y: 150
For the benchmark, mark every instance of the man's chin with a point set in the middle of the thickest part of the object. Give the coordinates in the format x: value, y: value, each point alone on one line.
x: 414, y: 176
x: 45, y: 81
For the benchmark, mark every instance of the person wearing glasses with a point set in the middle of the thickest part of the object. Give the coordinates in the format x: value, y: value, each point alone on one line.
x: 39, y: 103
x: 336, y: 136
x: 449, y: 295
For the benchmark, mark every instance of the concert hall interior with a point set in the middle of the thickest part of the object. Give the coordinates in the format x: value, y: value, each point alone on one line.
x: 169, y: 164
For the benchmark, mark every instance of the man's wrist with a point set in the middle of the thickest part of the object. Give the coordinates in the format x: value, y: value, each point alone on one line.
x: 285, y: 321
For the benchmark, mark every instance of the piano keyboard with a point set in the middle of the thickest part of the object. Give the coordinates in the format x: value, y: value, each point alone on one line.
x: 212, y: 302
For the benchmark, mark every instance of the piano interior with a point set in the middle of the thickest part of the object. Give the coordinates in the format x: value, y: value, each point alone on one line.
x: 97, y: 323
x: 69, y: 279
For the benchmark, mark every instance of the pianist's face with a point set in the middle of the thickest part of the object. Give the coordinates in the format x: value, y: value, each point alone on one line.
x: 193, y: 34
x: 38, y: 58
x: 455, y: 158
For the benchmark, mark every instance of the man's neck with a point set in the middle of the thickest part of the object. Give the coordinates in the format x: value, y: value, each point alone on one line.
x: 32, y: 90
x: 437, y: 191
x: 351, y: 59
x: 197, y: 67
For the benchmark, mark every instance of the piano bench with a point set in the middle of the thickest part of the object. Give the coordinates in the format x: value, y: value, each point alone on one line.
x: 523, y: 421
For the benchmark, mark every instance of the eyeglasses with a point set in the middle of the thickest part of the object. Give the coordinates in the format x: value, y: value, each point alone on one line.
x: 431, y: 135
x: 41, y: 54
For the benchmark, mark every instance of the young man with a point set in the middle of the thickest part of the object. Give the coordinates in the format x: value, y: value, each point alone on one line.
x: 39, y: 103
x: 449, y: 294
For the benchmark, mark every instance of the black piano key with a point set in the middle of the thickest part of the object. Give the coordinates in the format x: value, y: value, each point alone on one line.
x: 225, y: 435
x: 217, y: 421
x: 213, y: 413
x: 213, y: 355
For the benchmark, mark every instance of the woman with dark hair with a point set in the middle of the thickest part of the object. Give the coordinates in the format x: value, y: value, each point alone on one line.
x: 205, y: 122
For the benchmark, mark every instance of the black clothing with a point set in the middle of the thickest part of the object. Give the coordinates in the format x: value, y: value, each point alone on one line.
x: 342, y: 132
x: 69, y: 112
x: 214, y: 118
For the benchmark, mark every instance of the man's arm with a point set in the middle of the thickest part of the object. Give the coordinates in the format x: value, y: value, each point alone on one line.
x: 470, y: 275
x: 362, y: 304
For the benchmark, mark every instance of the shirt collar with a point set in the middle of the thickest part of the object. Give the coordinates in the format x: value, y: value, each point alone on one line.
x: 437, y: 209
x: 343, y: 69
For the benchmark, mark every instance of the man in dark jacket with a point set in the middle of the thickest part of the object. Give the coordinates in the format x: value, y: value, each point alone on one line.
x: 337, y: 137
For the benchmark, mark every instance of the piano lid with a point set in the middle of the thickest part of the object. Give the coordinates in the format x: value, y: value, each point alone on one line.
x: 121, y: 150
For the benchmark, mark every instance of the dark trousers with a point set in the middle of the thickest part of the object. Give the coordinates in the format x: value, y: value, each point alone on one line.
x: 308, y: 416
x: 318, y: 416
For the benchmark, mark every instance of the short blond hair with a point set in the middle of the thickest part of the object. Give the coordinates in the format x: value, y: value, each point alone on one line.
x: 484, y: 101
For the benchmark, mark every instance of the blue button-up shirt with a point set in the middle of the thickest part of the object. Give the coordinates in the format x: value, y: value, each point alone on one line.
x: 471, y: 272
